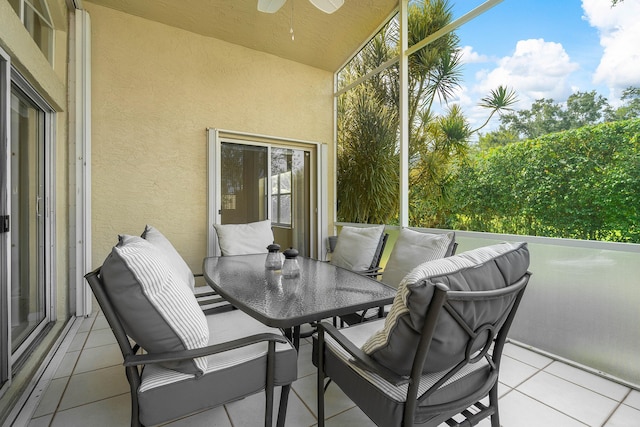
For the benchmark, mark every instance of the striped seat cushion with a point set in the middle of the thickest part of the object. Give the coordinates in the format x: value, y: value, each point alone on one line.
x: 482, y: 269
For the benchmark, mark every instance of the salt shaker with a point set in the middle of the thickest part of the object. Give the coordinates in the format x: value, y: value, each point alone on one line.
x: 290, y: 268
x: 274, y: 261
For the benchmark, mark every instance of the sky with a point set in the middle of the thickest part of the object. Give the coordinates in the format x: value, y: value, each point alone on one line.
x: 547, y: 49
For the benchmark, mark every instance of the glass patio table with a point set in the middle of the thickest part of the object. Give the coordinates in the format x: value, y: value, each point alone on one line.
x: 321, y: 291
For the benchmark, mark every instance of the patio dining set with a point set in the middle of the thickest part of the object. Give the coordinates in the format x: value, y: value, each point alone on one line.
x: 416, y: 343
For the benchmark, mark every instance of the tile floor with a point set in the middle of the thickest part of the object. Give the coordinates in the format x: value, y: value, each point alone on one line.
x: 89, y: 387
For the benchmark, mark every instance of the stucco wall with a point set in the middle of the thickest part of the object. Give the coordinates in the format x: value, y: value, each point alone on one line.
x: 156, y: 89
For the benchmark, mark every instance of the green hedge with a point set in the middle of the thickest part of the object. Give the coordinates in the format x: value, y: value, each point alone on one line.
x: 582, y: 183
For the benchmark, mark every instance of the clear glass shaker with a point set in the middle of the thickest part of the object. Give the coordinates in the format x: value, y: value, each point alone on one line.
x: 274, y: 260
x: 290, y: 268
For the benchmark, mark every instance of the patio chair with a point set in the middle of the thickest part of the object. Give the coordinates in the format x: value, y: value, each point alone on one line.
x: 411, y: 249
x: 177, y: 360
x: 437, y: 354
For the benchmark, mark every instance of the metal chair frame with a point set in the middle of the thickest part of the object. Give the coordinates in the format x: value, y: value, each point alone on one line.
x: 493, y: 334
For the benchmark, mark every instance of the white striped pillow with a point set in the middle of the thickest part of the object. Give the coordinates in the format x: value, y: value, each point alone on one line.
x: 156, y: 307
x: 153, y: 235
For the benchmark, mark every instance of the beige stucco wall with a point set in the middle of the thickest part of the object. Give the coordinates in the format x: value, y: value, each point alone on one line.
x: 156, y: 89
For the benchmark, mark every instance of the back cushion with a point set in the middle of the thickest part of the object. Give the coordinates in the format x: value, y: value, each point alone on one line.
x: 156, y: 307
x: 482, y: 269
x: 356, y: 247
x: 153, y: 235
x: 412, y: 249
x: 244, y: 239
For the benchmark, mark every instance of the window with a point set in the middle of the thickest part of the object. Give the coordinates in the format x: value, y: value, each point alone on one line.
x: 281, y: 199
x: 36, y: 17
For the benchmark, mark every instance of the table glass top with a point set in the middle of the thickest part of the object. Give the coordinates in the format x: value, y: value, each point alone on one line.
x: 321, y: 291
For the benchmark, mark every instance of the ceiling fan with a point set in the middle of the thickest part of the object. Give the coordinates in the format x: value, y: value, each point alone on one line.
x: 327, y: 6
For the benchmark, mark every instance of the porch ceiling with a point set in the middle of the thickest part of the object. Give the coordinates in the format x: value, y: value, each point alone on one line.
x: 322, y: 41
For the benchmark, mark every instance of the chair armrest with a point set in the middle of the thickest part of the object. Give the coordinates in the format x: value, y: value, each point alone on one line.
x: 171, y: 356
x: 360, y: 358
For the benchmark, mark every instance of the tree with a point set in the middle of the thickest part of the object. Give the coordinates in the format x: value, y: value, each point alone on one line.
x: 498, y: 138
x: 437, y: 142
x: 585, y: 108
x: 546, y: 116
x: 630, y: 109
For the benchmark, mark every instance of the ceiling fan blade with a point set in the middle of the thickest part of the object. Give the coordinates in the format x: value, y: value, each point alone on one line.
x: 270, y: 6
x: 327, y: 6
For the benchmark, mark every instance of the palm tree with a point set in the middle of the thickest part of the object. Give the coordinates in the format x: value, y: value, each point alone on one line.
x: 368, y: 123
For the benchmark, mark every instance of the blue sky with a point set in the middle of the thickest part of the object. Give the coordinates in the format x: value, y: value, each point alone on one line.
x: 548, y: 49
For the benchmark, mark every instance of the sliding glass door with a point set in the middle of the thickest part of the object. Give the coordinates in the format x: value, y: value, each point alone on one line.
x: 26, y: 232
x: 257, y: 177
x: 265, y: 181
x: 28, y: 297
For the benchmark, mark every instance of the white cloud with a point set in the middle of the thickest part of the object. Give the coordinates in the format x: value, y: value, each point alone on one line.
x: 537, y: 69
x: 619, y: 29
x: 469, y: 56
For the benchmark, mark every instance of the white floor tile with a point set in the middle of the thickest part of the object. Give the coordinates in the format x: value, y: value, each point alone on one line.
x: 78, y: 341
x: 41, y: 421
x: 351, y: 417
x: 625, y: 416
x: 518, y: 410
x: 105, y: 413
x: 100, y: 337
x: 588, y: 380
x: 249, y: 411
x: 578, y: 402
x: 633, y: 399
x: 527, y: 356
x: 98, y: 358
x: 51, y: 397
x: 335, y: 401
x: 87, y: 324
x: 101, y: 323
x: 67, y: 364
x: 95, y: 385
x: 513, y: 372
x: 213, y: 417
